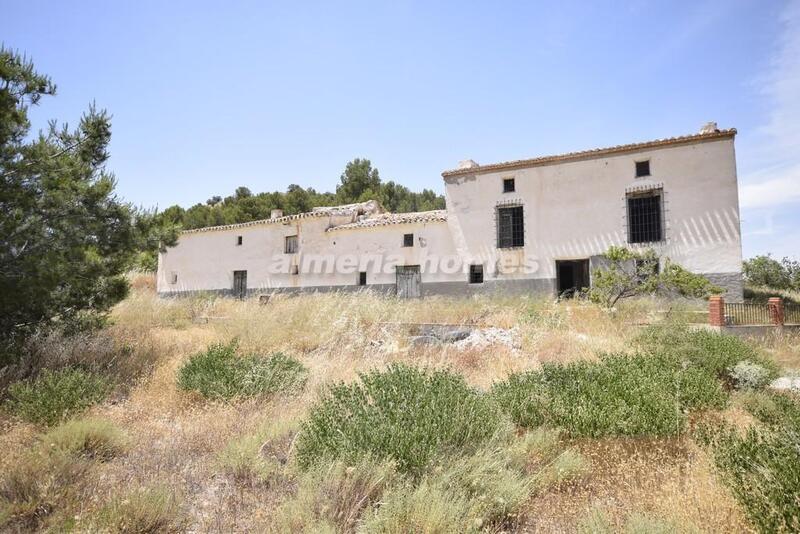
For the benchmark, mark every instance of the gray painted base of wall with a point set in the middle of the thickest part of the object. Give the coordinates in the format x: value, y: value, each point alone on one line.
x: 732, y: 282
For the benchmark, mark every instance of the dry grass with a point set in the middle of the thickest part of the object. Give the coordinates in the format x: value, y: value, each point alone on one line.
x: 210, y: 455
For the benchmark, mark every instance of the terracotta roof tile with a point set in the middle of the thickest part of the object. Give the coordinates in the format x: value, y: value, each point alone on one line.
x: 386, y: 219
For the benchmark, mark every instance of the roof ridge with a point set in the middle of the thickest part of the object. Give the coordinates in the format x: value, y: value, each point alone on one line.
x: 592, y: 152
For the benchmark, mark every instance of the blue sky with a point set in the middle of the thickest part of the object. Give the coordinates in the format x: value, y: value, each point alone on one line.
x: 209, y: 96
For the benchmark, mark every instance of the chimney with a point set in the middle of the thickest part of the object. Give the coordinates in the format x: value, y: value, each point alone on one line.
x: 274, y: 214
x: 709, y: 127
x: 467, y: 164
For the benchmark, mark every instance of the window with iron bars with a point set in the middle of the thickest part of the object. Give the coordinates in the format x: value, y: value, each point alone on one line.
x: 510, y: 227
x: 644, y: 218
x: 290, y: 245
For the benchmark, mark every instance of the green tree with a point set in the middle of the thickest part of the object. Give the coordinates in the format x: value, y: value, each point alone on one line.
x: 629, y: 273
x: 65, y: 237
x: 766, y: 271
x: 359, y: 182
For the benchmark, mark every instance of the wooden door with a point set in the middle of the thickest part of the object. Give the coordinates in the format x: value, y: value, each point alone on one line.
x: 240, y: 284
x: 409, y: 281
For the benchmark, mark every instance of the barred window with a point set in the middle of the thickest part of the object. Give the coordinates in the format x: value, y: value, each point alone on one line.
x: 476, y: 274
x: 508, y: 185
x: 290, y: 245
x: 644, y: 218
x: 408, y: 240
x: 510, y: 229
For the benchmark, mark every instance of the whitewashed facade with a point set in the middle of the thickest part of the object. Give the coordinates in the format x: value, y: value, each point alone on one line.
x: 528, y: 226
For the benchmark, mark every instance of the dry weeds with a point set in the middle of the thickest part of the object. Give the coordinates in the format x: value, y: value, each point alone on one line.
x: 175, y: 438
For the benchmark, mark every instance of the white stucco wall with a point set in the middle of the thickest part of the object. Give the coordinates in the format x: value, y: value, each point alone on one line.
x: 577, y: 209
x: 572, y: 210
x: 206, y: 260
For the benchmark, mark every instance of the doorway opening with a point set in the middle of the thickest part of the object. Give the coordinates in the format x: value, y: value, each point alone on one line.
x: 409, y: 281
x: 571, y: 277
x: 240, y: 284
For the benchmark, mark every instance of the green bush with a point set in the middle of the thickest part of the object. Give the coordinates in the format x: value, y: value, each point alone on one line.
x: 762, y: 467
x: 87, y: 438
x: 404, y: 414
x: 219, y: 373
x: 56, y: 395
x: 619, y: 395
x: 712, y: 351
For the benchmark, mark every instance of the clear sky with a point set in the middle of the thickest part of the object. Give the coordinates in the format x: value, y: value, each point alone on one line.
x: 207, y: 96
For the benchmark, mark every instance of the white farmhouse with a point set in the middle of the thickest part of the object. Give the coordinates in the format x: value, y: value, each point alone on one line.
x: 529, y: 226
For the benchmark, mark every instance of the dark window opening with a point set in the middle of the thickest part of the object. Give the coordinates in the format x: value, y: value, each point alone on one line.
x: 644, y: 218
x: 174, y: 279
x: 238, y: 240
x: 642, y: 168
x: 295, y: 269
x: 362, y: 278
x: 290, y: 245
x: 476, y: 274
x: 572, y: 276
x: 408, y: 240
x: 510, y: 227
x: 508, y: 185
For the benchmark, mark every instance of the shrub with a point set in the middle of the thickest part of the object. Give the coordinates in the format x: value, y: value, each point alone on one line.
x: 259, y: 457
x: 762, y: 467
x: 56, y: 395
x: 712, y: 351
x: 424, y: 508
x: 219, y: 373
x: 142, y: 510
x: 620, y: 395
x: 567, y: 466
x: 333, y: 497
x: 403, y: 414
x: 88, y: 438
x: 36, y: 485
x: 749, y: 375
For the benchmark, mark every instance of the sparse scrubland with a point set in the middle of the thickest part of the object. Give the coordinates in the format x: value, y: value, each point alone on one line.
x: 318, y: 413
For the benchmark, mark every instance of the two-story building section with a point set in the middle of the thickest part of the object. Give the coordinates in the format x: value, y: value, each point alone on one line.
x: 529, y: 226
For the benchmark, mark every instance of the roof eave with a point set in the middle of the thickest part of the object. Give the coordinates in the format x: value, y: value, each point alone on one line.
x: 593, y: 153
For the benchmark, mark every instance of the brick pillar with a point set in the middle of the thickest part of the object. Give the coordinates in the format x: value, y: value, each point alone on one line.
x: 716, y: 311
x: 776, y: 310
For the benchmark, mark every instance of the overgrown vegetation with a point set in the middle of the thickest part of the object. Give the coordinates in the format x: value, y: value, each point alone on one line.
x: 619, y: 395
x: 155, y: 509
x: 713, y: 352
x: 762, y: 466
x: 765, y: 271
x: 628, y: 273
x: 219, y: 373
x: 56, y: 395
x: 404, y: 414
x: 67, y: 238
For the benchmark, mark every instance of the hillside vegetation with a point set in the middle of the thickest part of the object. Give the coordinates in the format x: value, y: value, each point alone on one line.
x: 317, y: 413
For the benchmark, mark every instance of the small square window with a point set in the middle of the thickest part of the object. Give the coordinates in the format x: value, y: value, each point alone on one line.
x: 476, y: 274
x: 362, y: 278
x: 290, y: 245
x: 643, y: 168
x: 238, y: 240
x: 408, y: 240
x: 508, y: 185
